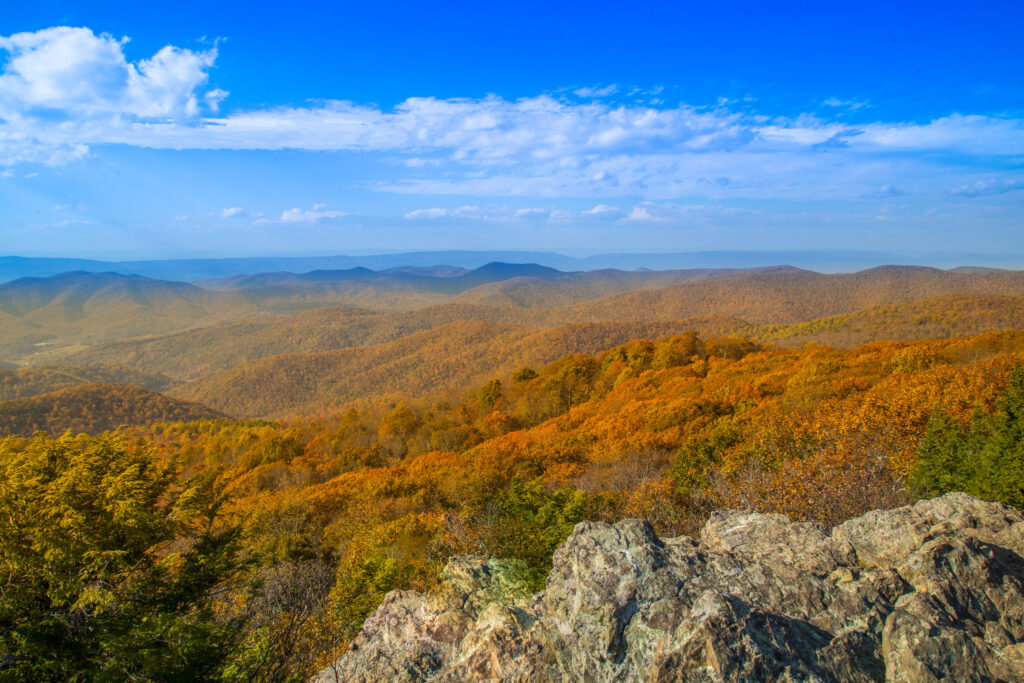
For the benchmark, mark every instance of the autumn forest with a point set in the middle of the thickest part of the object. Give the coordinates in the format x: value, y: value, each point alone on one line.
x: 220, y: 480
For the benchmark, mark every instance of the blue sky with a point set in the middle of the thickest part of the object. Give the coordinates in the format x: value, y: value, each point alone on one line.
x: 206, y: 129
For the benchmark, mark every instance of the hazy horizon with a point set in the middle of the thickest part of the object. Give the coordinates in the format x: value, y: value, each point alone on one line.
x: 196, y: 269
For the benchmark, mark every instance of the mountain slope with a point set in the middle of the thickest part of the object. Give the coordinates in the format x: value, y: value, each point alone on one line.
x: 454, y: 354
x: 213, y: 330
x: 33, y: 381
x: 789, y: 295
x: 954, y: 315
x: 94, y: 408
x: 188, y: 354
x: 534, y: 292
x: 78, y: 309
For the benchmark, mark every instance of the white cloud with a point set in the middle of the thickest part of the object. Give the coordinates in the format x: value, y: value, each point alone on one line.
x: 427, y: 213
x: 75, y: 71
x: 64, y: 90
x: 641, y: 213
x: 214, y: 97
x: 314, y: 215
x: 887, y: 191
x: 510, y: 214
x: 603, y: 210
x: 232, y: 211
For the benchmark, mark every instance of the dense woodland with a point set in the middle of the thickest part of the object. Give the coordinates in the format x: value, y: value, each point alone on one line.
x: 144, y: 537
x: 16, y: 383
x: 94, y: 408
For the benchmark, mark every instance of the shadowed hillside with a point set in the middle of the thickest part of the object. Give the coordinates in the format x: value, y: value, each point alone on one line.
x: 32, y: 381
x: 95, y: 408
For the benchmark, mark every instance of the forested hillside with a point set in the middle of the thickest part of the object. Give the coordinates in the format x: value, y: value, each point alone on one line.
x: 451, y: 356
x: 328, y: 514
x: 76, y: 310
x: 95, y: 408
x: 74, y: 318
x: 49, y: 318
x: 789, y: 295
x: 940, y: 317
x: 32, y: 381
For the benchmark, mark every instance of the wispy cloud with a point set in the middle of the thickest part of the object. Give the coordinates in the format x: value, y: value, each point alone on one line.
x: 232, y: 212
x: 676, y: 213
x: 851, y: 105
x: 595, y: 92
x: 437, y: 212
x: 887, y: 191
x: 603, y: 210
x: 314, y: 215
x: 990, y: 187
x: 654, y: 212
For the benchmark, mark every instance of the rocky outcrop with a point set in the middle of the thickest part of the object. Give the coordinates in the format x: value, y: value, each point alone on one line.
x: 932, y: 591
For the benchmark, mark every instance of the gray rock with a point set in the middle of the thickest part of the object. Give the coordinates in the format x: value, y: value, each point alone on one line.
x: 928, y: 592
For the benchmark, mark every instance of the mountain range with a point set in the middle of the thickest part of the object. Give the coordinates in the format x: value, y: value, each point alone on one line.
x: 280, y: 343
x: 13, y: 267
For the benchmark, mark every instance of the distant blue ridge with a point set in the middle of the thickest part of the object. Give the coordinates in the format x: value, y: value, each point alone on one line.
x: 524, y: 263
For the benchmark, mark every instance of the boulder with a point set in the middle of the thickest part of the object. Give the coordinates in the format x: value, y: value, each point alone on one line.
x: 932, y: 591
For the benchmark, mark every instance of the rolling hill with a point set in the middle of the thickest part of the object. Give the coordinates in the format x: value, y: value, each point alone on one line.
x: 188, y: 333
x: 188, y: 354
x: 452, y: 355
x: 761, y: 302
x: 75, y: 310
x: 954, y: 315
x: 45, y: 319
x: 21, y: 382
x: 784, y: 295
x: 95, y: 408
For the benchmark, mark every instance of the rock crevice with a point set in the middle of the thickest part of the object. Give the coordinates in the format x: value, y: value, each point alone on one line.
x: 926, y: 592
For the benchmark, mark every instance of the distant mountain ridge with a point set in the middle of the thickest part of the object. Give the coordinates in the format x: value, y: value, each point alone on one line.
x: 28, y: 293
x: 430, y: 279
x: 13, y: 267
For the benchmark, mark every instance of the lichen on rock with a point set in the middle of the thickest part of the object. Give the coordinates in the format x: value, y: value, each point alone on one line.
x: 927, y: 592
